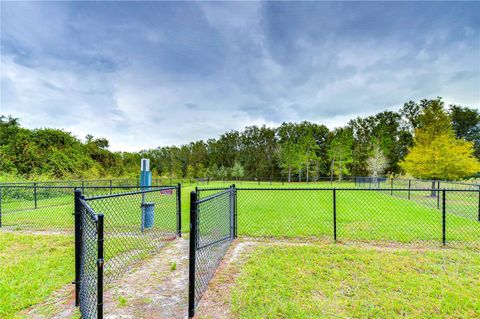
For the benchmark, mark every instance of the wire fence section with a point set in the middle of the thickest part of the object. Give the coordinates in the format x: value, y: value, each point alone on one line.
x: 136, y: 224
x: 212, y: 229
x: 89, y: 259
x: 42, y: 207
x: 362, y: 214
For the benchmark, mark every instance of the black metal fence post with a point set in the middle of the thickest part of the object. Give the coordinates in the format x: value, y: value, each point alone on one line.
x: 193, y: 246
x: 179, y: 210
x: 110, y: 187
x: 391, y: 186
x: 232, y: 226
x: 334, y: 214
x: 78, y: 243
x: 235, y: 220
x: 444, y: 218
x: 409, y: 187
x: 100, y: 263
x: 438, y: 195
x: 35, y: 194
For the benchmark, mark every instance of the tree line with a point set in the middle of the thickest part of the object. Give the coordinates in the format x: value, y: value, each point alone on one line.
x: 373, y: 145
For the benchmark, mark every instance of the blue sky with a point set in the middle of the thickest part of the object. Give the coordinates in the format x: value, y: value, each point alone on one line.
x: 147, y: 74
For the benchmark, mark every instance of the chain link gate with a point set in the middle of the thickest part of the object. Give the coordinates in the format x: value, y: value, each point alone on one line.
x: 213, y: 227
x: 114, y: 231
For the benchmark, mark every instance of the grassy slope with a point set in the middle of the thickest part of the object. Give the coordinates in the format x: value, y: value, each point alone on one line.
x: 333, y: 280
x: 31, y: 268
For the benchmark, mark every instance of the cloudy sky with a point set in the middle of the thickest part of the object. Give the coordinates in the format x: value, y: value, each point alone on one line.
x: 147, y: 74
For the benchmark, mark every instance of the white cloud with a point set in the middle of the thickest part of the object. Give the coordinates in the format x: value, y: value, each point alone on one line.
x: 143, y: 83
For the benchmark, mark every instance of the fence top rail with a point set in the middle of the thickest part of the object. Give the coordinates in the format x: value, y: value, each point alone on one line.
x: 203, y: 189
x: 84, y: 187
x: 69, y: 181
x: 150, y: 190
x: 89, y: 210
x: 205, y: 199
x: 436, y: 181
x: 354, y: 189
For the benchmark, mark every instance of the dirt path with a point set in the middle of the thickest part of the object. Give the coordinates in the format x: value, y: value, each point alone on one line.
x: 157, y: 288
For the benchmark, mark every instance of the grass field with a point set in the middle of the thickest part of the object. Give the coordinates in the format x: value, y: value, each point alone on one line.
x: 335, y: 281
x: 361, y: 215
x: 371, y: 216
x: 31, y: 268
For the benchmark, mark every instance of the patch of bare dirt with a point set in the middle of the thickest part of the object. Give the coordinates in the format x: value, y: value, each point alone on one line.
x: 155, y: 288
x: 216, y: 301
x: 60, y: 305
x: 6, y: 229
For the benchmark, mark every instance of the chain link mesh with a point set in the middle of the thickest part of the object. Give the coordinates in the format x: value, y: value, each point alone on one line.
x: 130, y: 234
x: 214, y: 232
x: 88, y: 263
x: 409, y: 216
x: 46, y: 207
x: 136, y: 224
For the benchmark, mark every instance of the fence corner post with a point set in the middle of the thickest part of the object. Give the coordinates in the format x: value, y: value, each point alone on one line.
x: 409, y: 188
x: 334, y: 214
x: 100, y: 263
x: 235, y: 219
x: 179, y: 210
x: 35, y: 194
x: 444, y: 218
x: 78, y: 244
x: 193, y: 246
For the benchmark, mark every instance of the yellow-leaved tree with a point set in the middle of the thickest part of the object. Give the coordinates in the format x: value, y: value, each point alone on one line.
x: 436, y: 153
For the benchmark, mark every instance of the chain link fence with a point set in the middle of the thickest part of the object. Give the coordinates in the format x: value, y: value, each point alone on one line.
x: 212, y: 229
x: 40, y: 207
x: 135, y: 225
x: 429, y: 193
x: 356, y: 214
x: 89, y: 257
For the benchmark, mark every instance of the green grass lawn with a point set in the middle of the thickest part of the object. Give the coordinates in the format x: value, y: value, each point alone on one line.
x: 361, y: 216
x: 335, y: 281
x: 31, y: 268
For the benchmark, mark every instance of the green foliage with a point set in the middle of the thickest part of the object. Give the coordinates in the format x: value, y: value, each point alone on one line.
x: 466, y: 124
x: 294, y: 151
x: 436, y: 153
x: 238, y: 171
x: 340, y: 152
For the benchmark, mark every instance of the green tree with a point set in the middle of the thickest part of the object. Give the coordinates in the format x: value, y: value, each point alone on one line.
x: 222, y: 173
x: 466, y: 124
x: 436, y: 153
x: 190, y: 172
x: 238, y: 171
x: 340, y: 152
